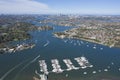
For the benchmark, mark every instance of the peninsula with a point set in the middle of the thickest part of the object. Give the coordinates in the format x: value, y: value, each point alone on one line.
x: 97, y: 31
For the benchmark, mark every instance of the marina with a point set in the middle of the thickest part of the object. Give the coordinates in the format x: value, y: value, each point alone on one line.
x: 82, y: 61
x: 70, y: 66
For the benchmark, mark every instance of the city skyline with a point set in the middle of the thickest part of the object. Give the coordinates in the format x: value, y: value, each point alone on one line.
x: 110, y: 7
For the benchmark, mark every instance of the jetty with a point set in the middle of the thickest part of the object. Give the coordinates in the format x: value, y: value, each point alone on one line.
x: 83, y: 62
x: 43, y: 66
x: 56, y: 66
x: 69, y: 64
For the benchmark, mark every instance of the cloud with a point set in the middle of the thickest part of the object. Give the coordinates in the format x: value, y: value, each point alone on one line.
x: 23, y: 7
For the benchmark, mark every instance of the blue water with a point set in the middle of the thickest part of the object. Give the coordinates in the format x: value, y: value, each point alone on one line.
x: 58, y: 49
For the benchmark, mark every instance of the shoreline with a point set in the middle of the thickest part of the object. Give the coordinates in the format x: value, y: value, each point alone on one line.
x: 72, y: 34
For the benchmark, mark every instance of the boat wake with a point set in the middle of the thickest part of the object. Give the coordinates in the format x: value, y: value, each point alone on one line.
x: 46, y: 43
x: 29, y: 63
x: 7, y: 73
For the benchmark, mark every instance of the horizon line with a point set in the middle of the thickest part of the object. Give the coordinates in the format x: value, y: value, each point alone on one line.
x: 54, y: 14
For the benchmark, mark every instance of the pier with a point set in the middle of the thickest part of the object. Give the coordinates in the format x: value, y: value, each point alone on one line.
x: 83, y: 62
x: 69, y: 64
x: 43, y: 67
x: 56, y: 66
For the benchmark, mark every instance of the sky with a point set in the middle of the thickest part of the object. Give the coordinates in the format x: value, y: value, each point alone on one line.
x: 60, y: 6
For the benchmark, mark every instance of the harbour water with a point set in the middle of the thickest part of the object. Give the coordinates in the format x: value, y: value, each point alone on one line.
x: 23, y: 64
